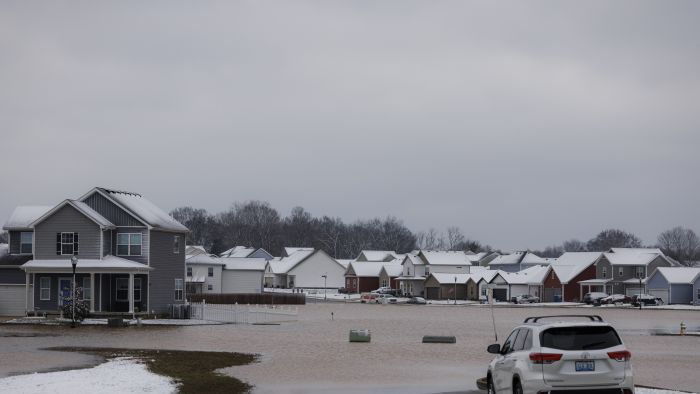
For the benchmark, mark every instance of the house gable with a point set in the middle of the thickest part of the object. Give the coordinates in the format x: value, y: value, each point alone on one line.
x: 111, y: 211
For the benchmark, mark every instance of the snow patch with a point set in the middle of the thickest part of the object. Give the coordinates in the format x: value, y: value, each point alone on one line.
x: 118, y: 376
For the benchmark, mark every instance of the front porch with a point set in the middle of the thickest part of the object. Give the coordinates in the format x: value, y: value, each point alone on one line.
x: 111, y: 286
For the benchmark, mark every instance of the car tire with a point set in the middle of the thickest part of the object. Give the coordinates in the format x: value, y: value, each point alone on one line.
x: 489, y: 385
x: 517, y: 387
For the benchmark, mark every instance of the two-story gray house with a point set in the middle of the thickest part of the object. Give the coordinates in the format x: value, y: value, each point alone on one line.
x: 131, y: 254
x: 620, y: 269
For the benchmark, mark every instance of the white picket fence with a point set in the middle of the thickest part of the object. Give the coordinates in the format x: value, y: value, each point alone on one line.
x: 243, y: 314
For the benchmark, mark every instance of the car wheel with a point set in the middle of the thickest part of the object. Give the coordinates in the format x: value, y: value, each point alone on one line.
x: 517, y: 388
x: 489, y: 386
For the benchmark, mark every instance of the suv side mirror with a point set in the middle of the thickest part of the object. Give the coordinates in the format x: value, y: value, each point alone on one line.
x: 494, y: 349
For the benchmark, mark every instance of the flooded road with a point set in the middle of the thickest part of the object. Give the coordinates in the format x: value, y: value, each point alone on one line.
x: 313, y: 355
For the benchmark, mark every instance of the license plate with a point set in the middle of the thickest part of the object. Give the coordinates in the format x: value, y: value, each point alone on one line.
x: 585, y: 366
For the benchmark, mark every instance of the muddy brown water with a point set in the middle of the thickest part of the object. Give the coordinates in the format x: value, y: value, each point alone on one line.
x: 313, y: 355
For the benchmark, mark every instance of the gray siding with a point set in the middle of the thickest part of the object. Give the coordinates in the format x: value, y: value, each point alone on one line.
x: 656, y: 263
x: 167, y: 266
x: 107, y: 242
x: 600, y: 264
x: 67, y: 219
x: 696, y: 291
x: 628, y: 271
x: 261, y: 254
x: 145, y: 243
x: 681, y: 294
x: 11, y: 276
x: 657, y: 282
x: 111, y: 211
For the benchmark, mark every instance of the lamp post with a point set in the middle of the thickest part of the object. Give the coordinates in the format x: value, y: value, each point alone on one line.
x: 639, y: 298
x: 73, y: 263
x: 325, y: 293
x: 455, y: 290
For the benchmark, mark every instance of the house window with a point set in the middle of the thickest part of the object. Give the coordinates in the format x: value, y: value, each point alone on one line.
x: 189, y: 271
x: 210, y: 287
x: 210, y: 272
x: 67, y: 244
x: 45, y: 288
x: 122, y: 289
x: 620, y: 271
x: 427, y: 270
x: 178, y: 289
x: 176, y: 244
x: 129, y: 244
x: 26, y: 242
x: 640, y: 272
x: 605, y: 272
x: 87, y: 289
x: 384, y: 284
x: 137, y: 289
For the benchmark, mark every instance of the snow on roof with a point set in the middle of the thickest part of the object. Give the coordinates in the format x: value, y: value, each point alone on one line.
x: 92, y: 214
x: 293, y: 249
x: 632, y: 256
x: 486, y: 275
x: 533, y: 275
x: 285, y: 264
x: 366, y: 268
x: 244, y: 264
x: 195, y: 250
x: 378, y: 255
x: 145, y: 210
x: 531, y: 258
x: 570, y: 264
x: 444, y: 278
x: 507, y: 259
x: 393, y: 270
x: 237, y: 252
x: 414, y: 259
x: 344, y: 262
x: 203, y: 259
x: 446, y: 257
x: 24, y: 215
x: 679, y: 275
x: 107, y: 263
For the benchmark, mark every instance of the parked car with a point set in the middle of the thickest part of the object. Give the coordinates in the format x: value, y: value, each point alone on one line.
x: 525, y: 299
x: 616, y: 299
x: 646, y: 299
x: 383, y: 290
x: 342, y: 290
x: 368, y: 297
x: 592, y: 298
x: 561, y: 355
x: 417, y: 301
x: 383, y: 298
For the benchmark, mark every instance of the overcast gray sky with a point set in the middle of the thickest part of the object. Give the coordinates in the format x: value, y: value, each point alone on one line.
x: 524, y: 123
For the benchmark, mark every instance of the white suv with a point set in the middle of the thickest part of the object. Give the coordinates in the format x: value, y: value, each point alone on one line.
x: 561, y: 356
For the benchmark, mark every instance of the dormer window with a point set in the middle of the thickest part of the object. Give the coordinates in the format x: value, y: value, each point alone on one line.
x: 26, y: 242
x: 67, y: 244
x: 129, y: 244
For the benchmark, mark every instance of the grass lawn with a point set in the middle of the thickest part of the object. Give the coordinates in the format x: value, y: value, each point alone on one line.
x: 194, y: 371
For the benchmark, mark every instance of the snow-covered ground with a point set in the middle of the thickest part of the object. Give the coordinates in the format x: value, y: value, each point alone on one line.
x: 640, y: 390
x: 117, y: 376
x: 101, y: 322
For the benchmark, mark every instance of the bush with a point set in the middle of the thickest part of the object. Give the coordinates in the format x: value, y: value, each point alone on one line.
x: 82, y: 309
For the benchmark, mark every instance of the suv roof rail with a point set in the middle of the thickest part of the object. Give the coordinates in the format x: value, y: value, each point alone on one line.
x: 593, y: 318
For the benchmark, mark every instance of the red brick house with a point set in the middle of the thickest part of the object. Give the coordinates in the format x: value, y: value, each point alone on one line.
x: 562, y: 281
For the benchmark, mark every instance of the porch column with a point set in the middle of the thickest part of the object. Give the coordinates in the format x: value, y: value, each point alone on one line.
x: 131, y: 293
x: 92, y: 290
x: 26, y: 293
x: 148, y: 293
x: 100, y: 303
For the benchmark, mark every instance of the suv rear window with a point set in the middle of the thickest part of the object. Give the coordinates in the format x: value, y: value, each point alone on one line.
x: 580, y: 338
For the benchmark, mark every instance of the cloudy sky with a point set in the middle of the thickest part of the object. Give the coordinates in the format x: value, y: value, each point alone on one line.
x: 524, y: 123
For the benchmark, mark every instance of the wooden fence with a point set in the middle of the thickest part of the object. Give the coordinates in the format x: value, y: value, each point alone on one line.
x: 252, y: 299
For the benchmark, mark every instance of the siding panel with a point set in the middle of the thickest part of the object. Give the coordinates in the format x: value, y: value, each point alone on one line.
x: 168, y: 266
x: 111, y: 211
x: 67, y: 219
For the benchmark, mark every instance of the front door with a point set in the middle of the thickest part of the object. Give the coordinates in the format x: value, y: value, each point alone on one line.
x: 64, y: 289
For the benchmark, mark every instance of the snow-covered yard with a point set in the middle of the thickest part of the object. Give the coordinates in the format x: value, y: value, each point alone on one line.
x: 118, y: 376
x: 103, y: 322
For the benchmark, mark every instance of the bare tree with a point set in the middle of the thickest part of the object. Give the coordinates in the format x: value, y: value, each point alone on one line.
x: 574, y: 245
x: 430, y: 240
x: 681, y: 244
x: 455, y: 238
x: 613, y: 238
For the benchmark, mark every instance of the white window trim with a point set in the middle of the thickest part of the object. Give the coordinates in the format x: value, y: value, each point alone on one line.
x: 72, y: 244
x: 176, y: 242
x: 210, y: 272
x: 620, y: 272
x: 20, y: 242
x: 189, y: 271
x: 87, y: 279
x: 128, y: 244
x: 605, y: 272
x: 116, y: 294
x: 181, y: 289
x: 210, y: 287
x: 42, y: 288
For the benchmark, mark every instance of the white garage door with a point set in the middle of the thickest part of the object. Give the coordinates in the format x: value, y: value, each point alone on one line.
x: 661, y: 293
x: 12, y: 300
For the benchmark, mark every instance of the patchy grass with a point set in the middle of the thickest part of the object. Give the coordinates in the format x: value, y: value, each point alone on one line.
x: 194, y: 371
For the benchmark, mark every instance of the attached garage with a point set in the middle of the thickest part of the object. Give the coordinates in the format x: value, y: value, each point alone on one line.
x: 432, y: 293
x: 441, y: 286
x: 12, y: 300
x: 660, y: 293
x: 500, y: 295
x: 675, y: 285
x: 552, y: 294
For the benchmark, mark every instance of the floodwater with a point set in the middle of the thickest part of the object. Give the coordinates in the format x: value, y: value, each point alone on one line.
x: 313, y: 355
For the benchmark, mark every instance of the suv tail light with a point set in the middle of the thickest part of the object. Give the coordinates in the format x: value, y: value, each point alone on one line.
x: 622, y: 355
x: 544, y: 358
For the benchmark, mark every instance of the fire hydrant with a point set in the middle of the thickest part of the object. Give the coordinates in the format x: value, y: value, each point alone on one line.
x: 682, y: 328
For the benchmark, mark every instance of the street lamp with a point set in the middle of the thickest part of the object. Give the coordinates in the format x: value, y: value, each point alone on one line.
x: 73, y: 263
x: 639, y: 298
x: 455, y: 289
x: 325, y: 293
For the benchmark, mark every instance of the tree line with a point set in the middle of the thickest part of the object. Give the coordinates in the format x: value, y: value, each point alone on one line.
x: 257, y: 224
